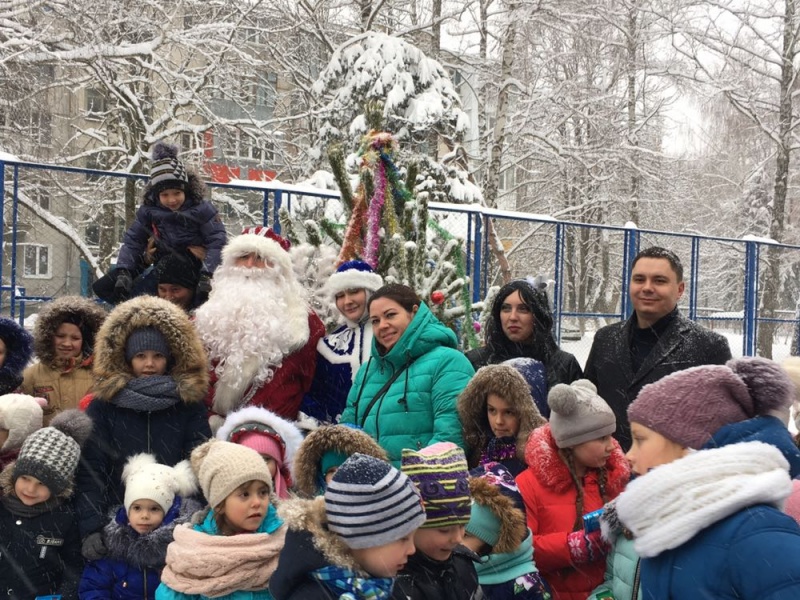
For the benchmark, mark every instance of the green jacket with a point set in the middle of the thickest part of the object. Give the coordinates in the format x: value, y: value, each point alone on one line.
x: 419, y: 408
x: 621, y: 571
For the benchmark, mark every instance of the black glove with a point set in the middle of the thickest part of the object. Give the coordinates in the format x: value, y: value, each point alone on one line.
x: 123, y: 285
x: 93, y: 547
x: 203, y: 289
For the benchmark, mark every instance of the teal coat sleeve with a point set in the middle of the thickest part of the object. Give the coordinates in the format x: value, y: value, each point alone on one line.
x: 452, y: 375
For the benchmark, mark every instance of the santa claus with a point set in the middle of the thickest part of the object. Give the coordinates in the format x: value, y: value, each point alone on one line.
x: 260, y: 335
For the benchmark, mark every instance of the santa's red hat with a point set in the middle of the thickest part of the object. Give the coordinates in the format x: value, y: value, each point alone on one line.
x: 259, y: 240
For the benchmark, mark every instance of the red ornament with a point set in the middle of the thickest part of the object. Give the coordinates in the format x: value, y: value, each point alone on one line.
x: 437, y: 297
x: 476, y: 325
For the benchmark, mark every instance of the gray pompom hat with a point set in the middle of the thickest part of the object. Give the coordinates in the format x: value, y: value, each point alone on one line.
x: 578, y: 414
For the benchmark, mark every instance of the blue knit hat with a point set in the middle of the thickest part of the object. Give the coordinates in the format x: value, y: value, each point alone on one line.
x: 535, y: 375
x: 353, y: 275
x: 146, y: 338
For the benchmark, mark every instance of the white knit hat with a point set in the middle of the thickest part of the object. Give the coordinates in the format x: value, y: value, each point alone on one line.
x: 145, y: 479
x: 20, y: 415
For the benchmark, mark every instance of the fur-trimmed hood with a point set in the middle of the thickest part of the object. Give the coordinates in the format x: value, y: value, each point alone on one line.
x: 507, y: 383
x: 190, y: 364
x: 87, y: 314
x: 19, y: 348
x: 255, y: 418
x: 513, y: 527
x: 147, y: 551
x: 542, y: 456
x: 336, y: 438
x: 195, y: 191
x: 300, y: 514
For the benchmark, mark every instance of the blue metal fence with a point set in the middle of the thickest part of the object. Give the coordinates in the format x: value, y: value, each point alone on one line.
x: 546, y: 240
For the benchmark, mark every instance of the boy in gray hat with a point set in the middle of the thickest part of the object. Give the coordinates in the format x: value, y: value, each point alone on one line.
x: 39, y: 540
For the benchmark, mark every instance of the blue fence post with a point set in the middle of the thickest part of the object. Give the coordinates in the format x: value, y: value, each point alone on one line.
x: 695, y: 277
x: 265, y: 208
x: 629, y: 253
x: 750, y: 298
x: 15, y: 214
x: 2, y: 222
x: 558, y: 302
x: 477, y: 275
x: 276, y: 207
x: 485, y: 255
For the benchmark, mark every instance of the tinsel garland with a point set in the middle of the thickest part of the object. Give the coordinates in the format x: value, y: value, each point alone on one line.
x: 374, y: 215
x: 351, y: 243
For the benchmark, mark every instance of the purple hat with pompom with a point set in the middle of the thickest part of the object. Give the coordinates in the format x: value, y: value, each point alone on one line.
x: 688, y: 407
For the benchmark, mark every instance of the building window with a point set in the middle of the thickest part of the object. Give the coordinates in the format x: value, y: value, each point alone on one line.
x: 36, y: 261
x: 95, y: 103
x: 92, y: 235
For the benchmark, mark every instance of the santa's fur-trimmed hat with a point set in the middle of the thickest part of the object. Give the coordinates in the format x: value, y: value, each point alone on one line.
x: 263, y: 242
x: 353, y: 275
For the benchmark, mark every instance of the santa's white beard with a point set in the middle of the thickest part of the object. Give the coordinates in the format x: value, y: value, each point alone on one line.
x: 251, y: 321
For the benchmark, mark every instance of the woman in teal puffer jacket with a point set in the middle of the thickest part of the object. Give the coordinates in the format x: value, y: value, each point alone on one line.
x: 405, y: 395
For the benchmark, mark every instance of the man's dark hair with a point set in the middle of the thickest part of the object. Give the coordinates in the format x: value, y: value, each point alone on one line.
x: 659, y: 252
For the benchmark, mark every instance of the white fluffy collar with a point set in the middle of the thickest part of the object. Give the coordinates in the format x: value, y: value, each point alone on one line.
x: 672, y: 503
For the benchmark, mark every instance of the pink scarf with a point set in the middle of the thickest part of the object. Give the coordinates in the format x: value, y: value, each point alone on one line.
x: 217, y: 565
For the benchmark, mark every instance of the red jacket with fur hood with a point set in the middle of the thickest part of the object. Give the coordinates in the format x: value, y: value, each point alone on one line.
x: 550, y: 494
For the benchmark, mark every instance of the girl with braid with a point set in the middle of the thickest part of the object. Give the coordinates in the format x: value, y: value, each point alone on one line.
x: 575, y: 467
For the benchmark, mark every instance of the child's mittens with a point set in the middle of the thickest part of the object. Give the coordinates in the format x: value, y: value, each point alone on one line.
x: 586, y: 547
x: 123, y: 285
x: 93, y: 547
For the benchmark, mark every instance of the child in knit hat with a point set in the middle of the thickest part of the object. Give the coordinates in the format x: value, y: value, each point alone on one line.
x: 498, y: 415
x: 322, y: 453
x: 441, y: 567
x: 274, y: 438
x: 351, y: 542
x: 498, y: 534
x: 150, y: 380
x: 704, y: 512
x: 39, y: 539
x: 156, y: 501
x: 176, y: 217
x: 574, y: 468
x: 20, y: 416
x: 232, y: 550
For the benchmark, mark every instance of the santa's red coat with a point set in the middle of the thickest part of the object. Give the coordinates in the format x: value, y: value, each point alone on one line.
x: 284, y: 392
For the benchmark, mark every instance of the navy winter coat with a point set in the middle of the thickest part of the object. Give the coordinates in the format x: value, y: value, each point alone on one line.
x: 170, y: 434
x: 194, y: 224
x: 752, y: 554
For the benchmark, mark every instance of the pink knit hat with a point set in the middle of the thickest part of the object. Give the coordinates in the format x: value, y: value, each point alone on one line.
x: 688, y: 407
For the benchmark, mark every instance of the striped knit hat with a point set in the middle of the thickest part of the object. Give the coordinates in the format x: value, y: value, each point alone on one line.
x: 166, y: 170
x: 440, y: 473
x: 369, y: 503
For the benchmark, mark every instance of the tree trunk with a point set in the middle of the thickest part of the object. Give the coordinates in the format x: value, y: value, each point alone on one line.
x: 772, y: 275
x: 633, y: 138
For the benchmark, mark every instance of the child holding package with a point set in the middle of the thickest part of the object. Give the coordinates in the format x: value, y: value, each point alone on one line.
x: 441, y: 566
x: 39, y: 541
x: 705, y: 511
x: 498, y: 534
x: 20, y: 416
x: 151, y: 378
x: 324, y: 450
x: 352, y: 541
x: 575, y: 467
x: 232, y: 550
x: 498, y: 415
x: 176, y: 217
x: 156, y: 501
x: 274, y: 438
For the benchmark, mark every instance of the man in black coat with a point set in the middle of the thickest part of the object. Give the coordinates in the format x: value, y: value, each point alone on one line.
x: 521, y: 326
x: 655, y: 341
